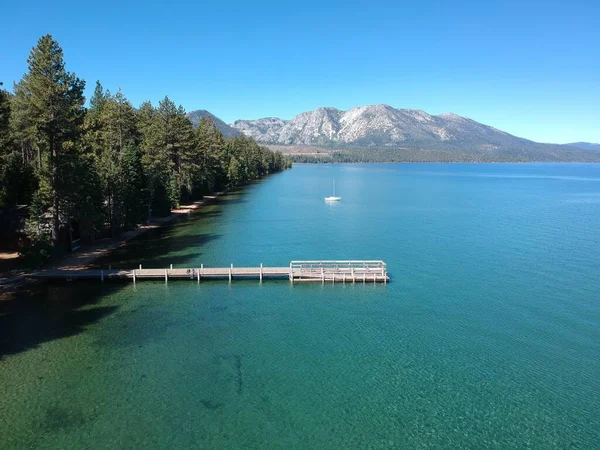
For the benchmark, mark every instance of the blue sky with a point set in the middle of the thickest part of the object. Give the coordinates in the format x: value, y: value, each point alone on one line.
x: 531, y: 68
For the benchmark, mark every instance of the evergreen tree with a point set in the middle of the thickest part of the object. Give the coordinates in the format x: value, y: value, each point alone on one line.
x: 134, y: 186
x: 5, y: 135
x: 212, y: 156
x: 108, y: 167
x: 17, y: 179
x: 49, y: 104
x: 233, y: 173
x: 111, y: 125
x: 98, y: 98
x: 186, y: 161
x: 170, y: 147
x: 155, y: 159
x: 94, y: 136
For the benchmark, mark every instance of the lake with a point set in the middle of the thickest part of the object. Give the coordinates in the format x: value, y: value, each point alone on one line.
x: 487, y: 336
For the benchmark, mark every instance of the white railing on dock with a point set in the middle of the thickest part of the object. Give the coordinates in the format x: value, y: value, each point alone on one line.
x: 338, y: 270
x: 340, y: 264
x: 297, y: 271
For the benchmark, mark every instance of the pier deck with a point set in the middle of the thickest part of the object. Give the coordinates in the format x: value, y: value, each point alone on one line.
x: 296, y: 272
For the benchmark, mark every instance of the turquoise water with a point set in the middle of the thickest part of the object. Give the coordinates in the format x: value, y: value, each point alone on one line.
x: 488, y: 336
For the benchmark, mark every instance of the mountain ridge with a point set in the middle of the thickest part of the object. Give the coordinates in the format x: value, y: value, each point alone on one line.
x: 383, y: 133
x: 197, y: 115
x: 585, y: 146
x: 375, y: 126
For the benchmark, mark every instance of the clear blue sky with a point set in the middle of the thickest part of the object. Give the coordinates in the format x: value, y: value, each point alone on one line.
x: 531, y: 68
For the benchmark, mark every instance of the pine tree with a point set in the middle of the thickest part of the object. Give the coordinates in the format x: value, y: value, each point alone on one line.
x: 17, y: 177
x: 234, y: 173
x: 110, y: 166
x: 98, y: 99
x: 111, y: 125
x: 155, y: 159
x: 49, y: 105
x: 186, y: 163
x: 5, y: 135
x: 169, y: 146
x: 93, y: 127
x: 213, y: 156
x: 134, y: 196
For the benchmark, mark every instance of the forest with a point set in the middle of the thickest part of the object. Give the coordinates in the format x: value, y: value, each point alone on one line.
x: 96, y: 170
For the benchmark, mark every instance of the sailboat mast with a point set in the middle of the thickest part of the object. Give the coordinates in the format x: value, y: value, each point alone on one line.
x: 334, y: 187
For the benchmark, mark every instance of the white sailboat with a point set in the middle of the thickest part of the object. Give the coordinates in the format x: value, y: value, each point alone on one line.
x: 333, y: 198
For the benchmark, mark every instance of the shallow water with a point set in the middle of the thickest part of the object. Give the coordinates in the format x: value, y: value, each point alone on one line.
x: 487, y: 337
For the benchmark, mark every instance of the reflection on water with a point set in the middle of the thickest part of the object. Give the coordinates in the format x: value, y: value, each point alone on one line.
x: 487, y: 336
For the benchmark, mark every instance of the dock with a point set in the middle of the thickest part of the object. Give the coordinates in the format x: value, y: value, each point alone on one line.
x: 295, y: 272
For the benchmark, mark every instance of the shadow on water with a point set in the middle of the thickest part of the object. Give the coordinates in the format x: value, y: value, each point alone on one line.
x: 46, y: 311
x: 231, y: 201
x: 176, y: 243
x: 157, y: 250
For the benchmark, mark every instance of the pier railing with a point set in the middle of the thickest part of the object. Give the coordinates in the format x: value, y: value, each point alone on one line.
x: 338, y: 265
x: 339, y: 270
x: 298, y: 271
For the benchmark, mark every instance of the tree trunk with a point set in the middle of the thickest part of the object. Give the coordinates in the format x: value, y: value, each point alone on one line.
x: 55, y: 216
x: 150, y: 195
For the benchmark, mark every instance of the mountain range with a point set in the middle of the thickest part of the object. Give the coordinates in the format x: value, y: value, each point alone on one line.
x: 383, y: 133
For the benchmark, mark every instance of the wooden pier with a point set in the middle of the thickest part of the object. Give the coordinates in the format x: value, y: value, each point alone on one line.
x: 296, y: 272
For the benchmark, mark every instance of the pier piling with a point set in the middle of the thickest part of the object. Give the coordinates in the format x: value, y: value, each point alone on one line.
x: 296, y: 272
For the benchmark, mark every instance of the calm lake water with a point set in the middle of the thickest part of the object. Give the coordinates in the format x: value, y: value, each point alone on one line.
x: 488, y: 336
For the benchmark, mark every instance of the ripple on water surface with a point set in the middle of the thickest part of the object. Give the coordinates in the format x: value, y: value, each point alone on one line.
x: 486, y: 338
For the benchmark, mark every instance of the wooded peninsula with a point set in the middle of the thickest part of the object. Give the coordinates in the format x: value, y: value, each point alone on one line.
x: 97, y: 170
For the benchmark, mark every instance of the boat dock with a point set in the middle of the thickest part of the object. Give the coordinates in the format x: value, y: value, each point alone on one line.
x: 296, y: 272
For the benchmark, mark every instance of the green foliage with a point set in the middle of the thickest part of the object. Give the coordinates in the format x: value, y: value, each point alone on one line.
x: 170, y: 157
x: 252, y: 160
x: 234, y: 173
x: 38, y: 226
x: 36, y: 252
x: 133, y: 193
x: 212, y: 156
x: 82, y: 200
x: 49, y: 114
x: 109, y: 167
x: 18, y: 181
x: 5, y: 135
x: 539, y: 152
x: 111, y: 128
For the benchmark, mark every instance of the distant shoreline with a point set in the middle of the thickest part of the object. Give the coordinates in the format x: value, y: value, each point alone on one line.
x: 443, y: 162
x: 316, y: 154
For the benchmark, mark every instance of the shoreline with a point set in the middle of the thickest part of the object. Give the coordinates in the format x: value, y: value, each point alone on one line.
x: 445, y: 162
x: 89, y: 253
x: 86, y: 256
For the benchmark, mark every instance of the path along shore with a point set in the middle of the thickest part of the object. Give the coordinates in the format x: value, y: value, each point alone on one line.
x: 87, y: 254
